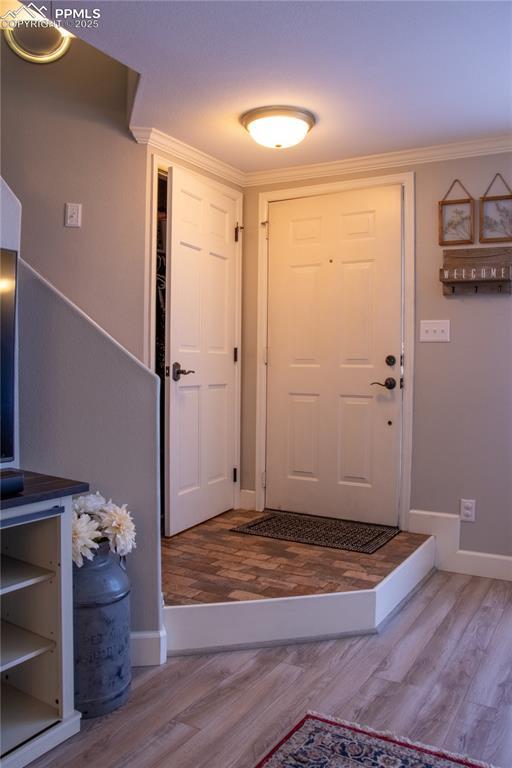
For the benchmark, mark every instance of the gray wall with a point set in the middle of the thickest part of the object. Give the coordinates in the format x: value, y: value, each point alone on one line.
x: 10, y: 218
x: 65, y: 138
x: 463, y: 390
x: 88, y: 410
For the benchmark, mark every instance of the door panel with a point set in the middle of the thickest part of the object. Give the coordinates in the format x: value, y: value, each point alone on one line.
x: 188, y: 439
x: 303, y: 436
x: 304, y: 287
x: 201, y: 335
x: 355, y: 440
x: 187, y: 307
x: 333, y: 439
x: 217, y: 308
x: 217, y: 449
x: 354, y: 313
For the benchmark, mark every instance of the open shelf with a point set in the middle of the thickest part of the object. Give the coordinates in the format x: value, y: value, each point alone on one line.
x: 19, y: 645
x: 22, y: 718
x: 16, y: 574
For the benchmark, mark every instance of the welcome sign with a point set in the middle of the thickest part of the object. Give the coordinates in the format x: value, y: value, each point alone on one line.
x: 476, y: 270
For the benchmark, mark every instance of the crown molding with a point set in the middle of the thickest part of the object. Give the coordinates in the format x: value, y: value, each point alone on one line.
x: 352, y: 165
x: 161, y: 142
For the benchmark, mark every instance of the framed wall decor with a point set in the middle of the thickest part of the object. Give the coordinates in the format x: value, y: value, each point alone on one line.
x: 456, y: 218
x: 496, y: 215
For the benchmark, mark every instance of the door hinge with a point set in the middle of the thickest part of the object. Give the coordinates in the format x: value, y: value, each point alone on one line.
x: 235, y: 474
x: 265, y: 224
x: 265, y: 355
x: 235, y: 354
x: 238, y: 228
x: 264, y: 479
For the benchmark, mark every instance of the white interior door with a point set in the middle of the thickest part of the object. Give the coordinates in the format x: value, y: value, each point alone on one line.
x: 335, y: 314
x: 202, y: 333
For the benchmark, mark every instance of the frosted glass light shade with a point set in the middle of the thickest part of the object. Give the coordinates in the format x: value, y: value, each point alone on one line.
x: 38, y: 44
x: 278, y: 127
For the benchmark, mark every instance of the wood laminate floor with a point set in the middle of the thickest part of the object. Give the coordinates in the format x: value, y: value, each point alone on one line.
x: 211, y: 564
x: 440, y: 673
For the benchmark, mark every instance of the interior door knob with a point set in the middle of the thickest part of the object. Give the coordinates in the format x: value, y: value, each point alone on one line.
x: 178, y: 371
x: 389, y: 383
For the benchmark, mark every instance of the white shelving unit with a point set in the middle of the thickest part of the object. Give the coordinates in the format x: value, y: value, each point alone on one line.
x: 36, y: 648
x: 17, y: 645
x: 15, y: 574
x: 22, y: 717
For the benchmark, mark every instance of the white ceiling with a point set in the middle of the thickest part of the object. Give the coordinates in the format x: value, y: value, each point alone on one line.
x: 380, y: 76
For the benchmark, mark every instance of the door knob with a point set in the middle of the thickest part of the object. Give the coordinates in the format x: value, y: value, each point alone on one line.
x: 389, y: 383
x: 178, y: 371
x: 391, y: 360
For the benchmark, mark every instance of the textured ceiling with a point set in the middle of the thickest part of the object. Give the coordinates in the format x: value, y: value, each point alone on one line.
x: 380, y: 76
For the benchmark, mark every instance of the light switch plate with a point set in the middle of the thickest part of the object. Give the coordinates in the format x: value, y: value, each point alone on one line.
x: 73, y: 215
x: 434, y: 330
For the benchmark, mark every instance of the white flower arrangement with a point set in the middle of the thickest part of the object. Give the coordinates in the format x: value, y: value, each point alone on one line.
x: 119, y: 528
x: 84, y: 535
x: 95, y: 521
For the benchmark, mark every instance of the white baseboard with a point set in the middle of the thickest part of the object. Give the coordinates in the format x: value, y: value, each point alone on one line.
x: 251, y: 622
x: 221, y: 626
x: 393, y: 590
x: 247, y: 499
x: 149, y: 649
x: 446, y: 529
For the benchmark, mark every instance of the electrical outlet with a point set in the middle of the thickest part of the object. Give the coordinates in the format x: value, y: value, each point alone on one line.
x: 435, y: 330
x: 467, y: 510
x: 73, y: 215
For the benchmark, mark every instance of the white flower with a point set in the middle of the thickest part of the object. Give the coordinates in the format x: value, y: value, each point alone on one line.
x: 90, y: 503
x: 84, y: 531
x: 117, y: 525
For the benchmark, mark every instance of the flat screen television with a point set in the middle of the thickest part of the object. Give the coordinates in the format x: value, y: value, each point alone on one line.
x: 8, y: 350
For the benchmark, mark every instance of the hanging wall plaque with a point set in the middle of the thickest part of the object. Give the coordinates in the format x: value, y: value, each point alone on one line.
x: 476, y: 270
x: 496, y: 215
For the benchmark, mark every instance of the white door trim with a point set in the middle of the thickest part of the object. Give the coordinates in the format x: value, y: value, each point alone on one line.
x: 156, y: 164
x: 406, y: 180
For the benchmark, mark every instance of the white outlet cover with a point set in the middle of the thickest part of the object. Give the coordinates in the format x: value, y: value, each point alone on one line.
x: 467, y: 510
x: 435, y: 330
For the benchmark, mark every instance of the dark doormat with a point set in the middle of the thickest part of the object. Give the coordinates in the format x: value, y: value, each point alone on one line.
x: 321, y: 531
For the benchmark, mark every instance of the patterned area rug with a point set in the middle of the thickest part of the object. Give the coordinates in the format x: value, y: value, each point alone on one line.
x: 321, y: 742
x: 321, y: 531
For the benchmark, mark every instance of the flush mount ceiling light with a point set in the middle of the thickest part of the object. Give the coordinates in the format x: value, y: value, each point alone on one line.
x: 278, y: 127
x: 39, y: 44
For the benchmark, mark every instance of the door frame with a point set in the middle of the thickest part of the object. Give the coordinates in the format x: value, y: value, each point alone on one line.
x: 406, y: 180
x: 160, y: 164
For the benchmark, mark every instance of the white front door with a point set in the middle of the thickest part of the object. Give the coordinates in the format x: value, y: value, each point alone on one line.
x: 201, y: 337
x: 334, y: 316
